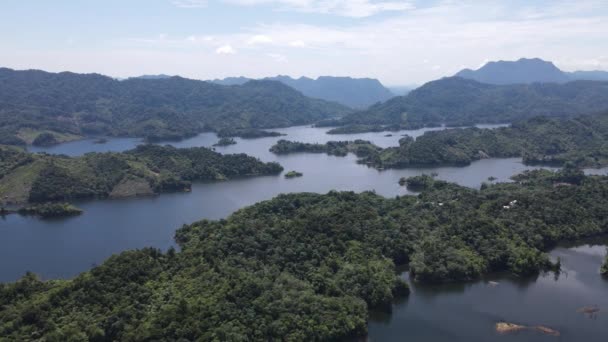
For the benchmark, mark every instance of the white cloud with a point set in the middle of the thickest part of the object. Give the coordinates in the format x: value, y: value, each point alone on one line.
x: 225, y: 50
x: 347, y: 8
x: 398, y: 49
x: 277, y: 57
x: 297, y: 43
x: 259, y: 39
x: 189, y: 3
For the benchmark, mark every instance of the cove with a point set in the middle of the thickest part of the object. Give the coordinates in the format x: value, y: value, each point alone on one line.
x: 454, y: 312
x: 62, y: 248
x: 469, y: 312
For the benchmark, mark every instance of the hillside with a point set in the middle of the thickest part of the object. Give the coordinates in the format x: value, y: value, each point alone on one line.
x: 527, y: 71
x: 352, y: 92
x: 145, y: 170
x: 32, y: 102
x: 459, y: 101
x: 309, y: 267
x: 582, y: 141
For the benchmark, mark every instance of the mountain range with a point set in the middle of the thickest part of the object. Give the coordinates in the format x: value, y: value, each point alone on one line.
x: 526, y: 71
x: 358, y: 93
x: 460, y: 101
x: 34, y: 101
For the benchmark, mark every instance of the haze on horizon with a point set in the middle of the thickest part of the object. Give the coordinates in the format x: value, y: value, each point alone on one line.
x: 398, y: 42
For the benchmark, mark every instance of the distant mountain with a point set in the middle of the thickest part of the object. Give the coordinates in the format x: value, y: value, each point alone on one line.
x: 595, y: 75
x: 402, y: 90
x: 459, y: 101
x: 34, y: 102
x: 230, y: 81
x: 353, y: 92
x: 153, y: 77
x: 526, y: 71
x: 514, y: 72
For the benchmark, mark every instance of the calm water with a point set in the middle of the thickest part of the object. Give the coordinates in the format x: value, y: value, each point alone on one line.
x: 65, y: 247
x: 469, y: 312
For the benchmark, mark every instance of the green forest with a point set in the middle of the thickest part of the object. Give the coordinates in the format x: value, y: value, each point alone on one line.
x: 333, y: 148
x: 455, y: 101
x: 145, y: 170
x: 50, y: 210
x: 541, y: 140
x: 310, y: 266
x: 53, y: 105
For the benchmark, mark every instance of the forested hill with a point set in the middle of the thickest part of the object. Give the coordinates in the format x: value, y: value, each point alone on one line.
x: 145, y: 170
x: 582, y: 141
x: 353, y: 92
x: 459, y: 101
x: 308, y: 267
x: 85, y: 104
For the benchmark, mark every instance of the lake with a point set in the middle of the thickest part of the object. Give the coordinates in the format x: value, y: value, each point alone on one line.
x: 64, y: 247
x: 469, y: 312
x: 60, y: 248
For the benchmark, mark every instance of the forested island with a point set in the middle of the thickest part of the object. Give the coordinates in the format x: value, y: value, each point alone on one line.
x: 604, y: 269
x: 145, y: 170
x: 225, y: 142
x: 50, y: 210
x: 361, y: 148
x: 54, y: 107
x: 541, y: 140
x: 247, y: 133
x: 278, y: 269
x: 456, y: 101
x: 293, y: 174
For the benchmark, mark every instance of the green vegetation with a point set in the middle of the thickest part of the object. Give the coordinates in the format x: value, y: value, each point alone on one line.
x: 461, y: 102
x: 418, y: 183
x: 355, y: 129
x: 604, y: 269
x: 309, y: 266
x: 225, y: 142
x: 45, y: 139
x: 49, y: 210
x: 361, y: 148
x: 42, y: 137
x: 293, y: 174
x: 167, y: 108
x: 145, y: 170
x: 247, y: 133
x: 582, y: 141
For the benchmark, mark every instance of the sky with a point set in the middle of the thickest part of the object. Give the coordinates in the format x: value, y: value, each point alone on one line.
x: 399, y: 42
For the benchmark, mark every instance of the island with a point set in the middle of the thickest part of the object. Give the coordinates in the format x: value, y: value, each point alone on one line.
x: 361, y: 148
x: 539, y: 140
x: 146, y: 170
x: 604, y: 269
x: 293, y: 174
x: 225, y: 141
x: 371, y: 128
x: 247, y: 133
x: 50, y: 210
x: 277, y: 269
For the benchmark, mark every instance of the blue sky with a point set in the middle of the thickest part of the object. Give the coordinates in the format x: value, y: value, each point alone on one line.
x: 396, y: 41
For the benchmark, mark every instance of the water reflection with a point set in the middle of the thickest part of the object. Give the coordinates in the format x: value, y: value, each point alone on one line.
x: 469, y: 312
